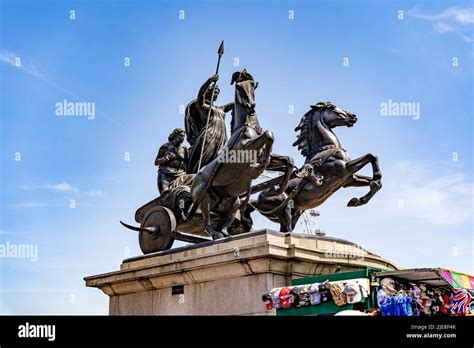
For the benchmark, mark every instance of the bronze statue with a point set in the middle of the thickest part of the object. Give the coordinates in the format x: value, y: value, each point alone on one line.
x: 205, y: 123
x: 219, y: 186
x: 327, y: 168
x: 278, y: 163
x: 172, y: 159
x: 204, y: 181
x: 206, y: 142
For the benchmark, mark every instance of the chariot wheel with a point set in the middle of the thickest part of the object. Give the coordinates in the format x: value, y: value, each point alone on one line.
x: 161, y: 223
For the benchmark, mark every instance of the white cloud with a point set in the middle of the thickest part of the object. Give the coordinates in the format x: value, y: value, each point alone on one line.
x: 26, y: 66
x: 62, y: 187
x: 466, y: 38
x: 93, y: 193
x: 454, y: 14
x: 27, y: 205
x: 443, y: 27
x: 9, y: 58
x: 435, y: 197
x: 454, y: 19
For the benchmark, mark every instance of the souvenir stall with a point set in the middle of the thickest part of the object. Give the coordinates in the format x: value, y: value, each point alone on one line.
x: 424, y: 292
x: 370, y: 291
x: 325, y: 294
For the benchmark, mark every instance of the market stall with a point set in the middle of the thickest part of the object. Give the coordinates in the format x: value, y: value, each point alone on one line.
x: 325, y: 294
x: 409, y: 292
x: 430, y: 291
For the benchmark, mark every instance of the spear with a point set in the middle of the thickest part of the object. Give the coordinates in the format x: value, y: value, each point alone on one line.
x: 220, y: 52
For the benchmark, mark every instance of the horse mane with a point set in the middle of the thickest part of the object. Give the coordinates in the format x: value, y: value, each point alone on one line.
x: 238, y: 76
x: 305, y: 138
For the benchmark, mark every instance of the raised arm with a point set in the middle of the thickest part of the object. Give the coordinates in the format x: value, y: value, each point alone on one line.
x: 201, y: 98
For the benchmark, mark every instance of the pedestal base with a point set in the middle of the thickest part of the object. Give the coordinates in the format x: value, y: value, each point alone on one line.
x: 226, y: 277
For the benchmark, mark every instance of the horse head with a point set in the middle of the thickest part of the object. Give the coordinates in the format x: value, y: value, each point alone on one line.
x: 315, y: 128
x: 333, y: 116
x: 244, y: 109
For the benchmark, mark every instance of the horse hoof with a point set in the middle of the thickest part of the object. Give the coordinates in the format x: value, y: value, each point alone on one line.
x: 354, y: 202
x: 219, y: 235
x: 225, y: 233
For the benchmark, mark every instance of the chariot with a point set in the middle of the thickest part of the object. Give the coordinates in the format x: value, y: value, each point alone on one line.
x: 170, y: 217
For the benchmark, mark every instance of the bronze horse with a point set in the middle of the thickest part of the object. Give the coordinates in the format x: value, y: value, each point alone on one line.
x: 220, y: 184
x: 327, y: 168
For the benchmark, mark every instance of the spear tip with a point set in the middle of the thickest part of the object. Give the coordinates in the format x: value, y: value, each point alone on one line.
x: 221, y: 48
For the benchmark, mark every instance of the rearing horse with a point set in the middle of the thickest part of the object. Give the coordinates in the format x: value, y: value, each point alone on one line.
x: 218, y: 186
x: 327, y: 168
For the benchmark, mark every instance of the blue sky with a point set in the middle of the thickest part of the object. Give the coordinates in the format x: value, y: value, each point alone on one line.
x: 421, y: 217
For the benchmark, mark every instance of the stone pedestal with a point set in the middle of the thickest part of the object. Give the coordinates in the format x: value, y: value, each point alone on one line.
x: 226, y: 277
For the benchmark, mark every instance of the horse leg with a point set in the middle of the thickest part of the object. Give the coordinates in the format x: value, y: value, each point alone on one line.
x: 358, y: 180
x: 245, y: 210
x: 294, y: 219
x: 285, y: 220
x: 357, y: 164
x: 375, y: 185
x: 284, y: 164
x: 256, y: 143
x: 245, y: 216
x: 374, y: 182
x: 206, y: 206
x: 263, y: 159
x: 228, y: 216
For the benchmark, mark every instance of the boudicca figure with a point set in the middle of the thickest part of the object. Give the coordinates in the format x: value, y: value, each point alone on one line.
x: 195, y: 121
